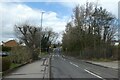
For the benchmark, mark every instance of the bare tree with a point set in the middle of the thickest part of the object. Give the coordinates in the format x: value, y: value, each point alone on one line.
x: 48, y: 37
x: 30, y: 35
x: 35, y: 38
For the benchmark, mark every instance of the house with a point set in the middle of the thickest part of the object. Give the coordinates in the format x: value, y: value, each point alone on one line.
x: 115, y: 42
x: 10, y: 43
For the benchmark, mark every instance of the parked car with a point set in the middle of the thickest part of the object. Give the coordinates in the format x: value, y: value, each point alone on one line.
x: 4, y: 54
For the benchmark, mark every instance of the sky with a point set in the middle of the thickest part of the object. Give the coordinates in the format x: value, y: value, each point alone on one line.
x: 56, y: 13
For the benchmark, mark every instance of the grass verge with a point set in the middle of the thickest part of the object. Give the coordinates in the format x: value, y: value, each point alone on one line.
x: 13, y: 65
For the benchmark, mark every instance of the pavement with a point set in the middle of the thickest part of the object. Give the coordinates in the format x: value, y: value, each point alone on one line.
x: 112, y: 64
x: 62, y: 67
x: 34, y: 70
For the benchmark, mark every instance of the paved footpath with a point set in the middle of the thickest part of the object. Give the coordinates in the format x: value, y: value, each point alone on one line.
x: 112, y: 64
x: 32, y: 70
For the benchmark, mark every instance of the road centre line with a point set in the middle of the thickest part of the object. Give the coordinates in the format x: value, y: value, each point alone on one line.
x: 94, y: 74
x: 71, y: 63
x: 88, y: 71
x: 74, y: 64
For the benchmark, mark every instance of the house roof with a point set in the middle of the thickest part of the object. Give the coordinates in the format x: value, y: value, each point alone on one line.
x: 10, y: 43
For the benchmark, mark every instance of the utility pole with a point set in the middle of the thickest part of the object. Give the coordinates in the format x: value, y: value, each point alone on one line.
x: 41, y: 27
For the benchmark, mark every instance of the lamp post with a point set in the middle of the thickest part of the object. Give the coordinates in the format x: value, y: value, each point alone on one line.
x: 42, y: 17
x: 41, y: 27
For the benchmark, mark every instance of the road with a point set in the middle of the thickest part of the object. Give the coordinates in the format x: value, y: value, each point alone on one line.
x: 62, y: 67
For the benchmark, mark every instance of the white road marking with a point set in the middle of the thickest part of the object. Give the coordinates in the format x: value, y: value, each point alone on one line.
x: 94, y: 74
x: 63, y: 59
x: 71, y: 63
x: 74, y: 64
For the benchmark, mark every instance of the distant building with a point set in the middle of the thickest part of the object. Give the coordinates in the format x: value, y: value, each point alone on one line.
x: 115, y: 42
x: 10, y: 43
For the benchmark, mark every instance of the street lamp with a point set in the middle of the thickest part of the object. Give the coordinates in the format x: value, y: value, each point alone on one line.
x: 41, y: 27
x: 42, y: 17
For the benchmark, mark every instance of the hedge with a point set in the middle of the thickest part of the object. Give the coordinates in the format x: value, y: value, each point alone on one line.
x: 5, y: 63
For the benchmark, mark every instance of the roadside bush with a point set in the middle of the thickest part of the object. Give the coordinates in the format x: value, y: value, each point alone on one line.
x: 0, y: 64
x: 20, y: 54
x: 6, y: 49
x: 5, y: 63
x: 119, y: 52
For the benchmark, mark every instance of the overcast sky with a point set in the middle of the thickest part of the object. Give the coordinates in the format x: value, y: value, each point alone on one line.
x: 56, y: 15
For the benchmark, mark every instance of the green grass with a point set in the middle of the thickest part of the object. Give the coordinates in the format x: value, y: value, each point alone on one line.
x: 13, y: 65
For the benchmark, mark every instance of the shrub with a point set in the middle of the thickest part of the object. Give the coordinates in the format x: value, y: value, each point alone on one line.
x: 6, y: 49
x: 0, y: 64
x: 119, y: 51
x: 19, y: 54
x: 5, y: 63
